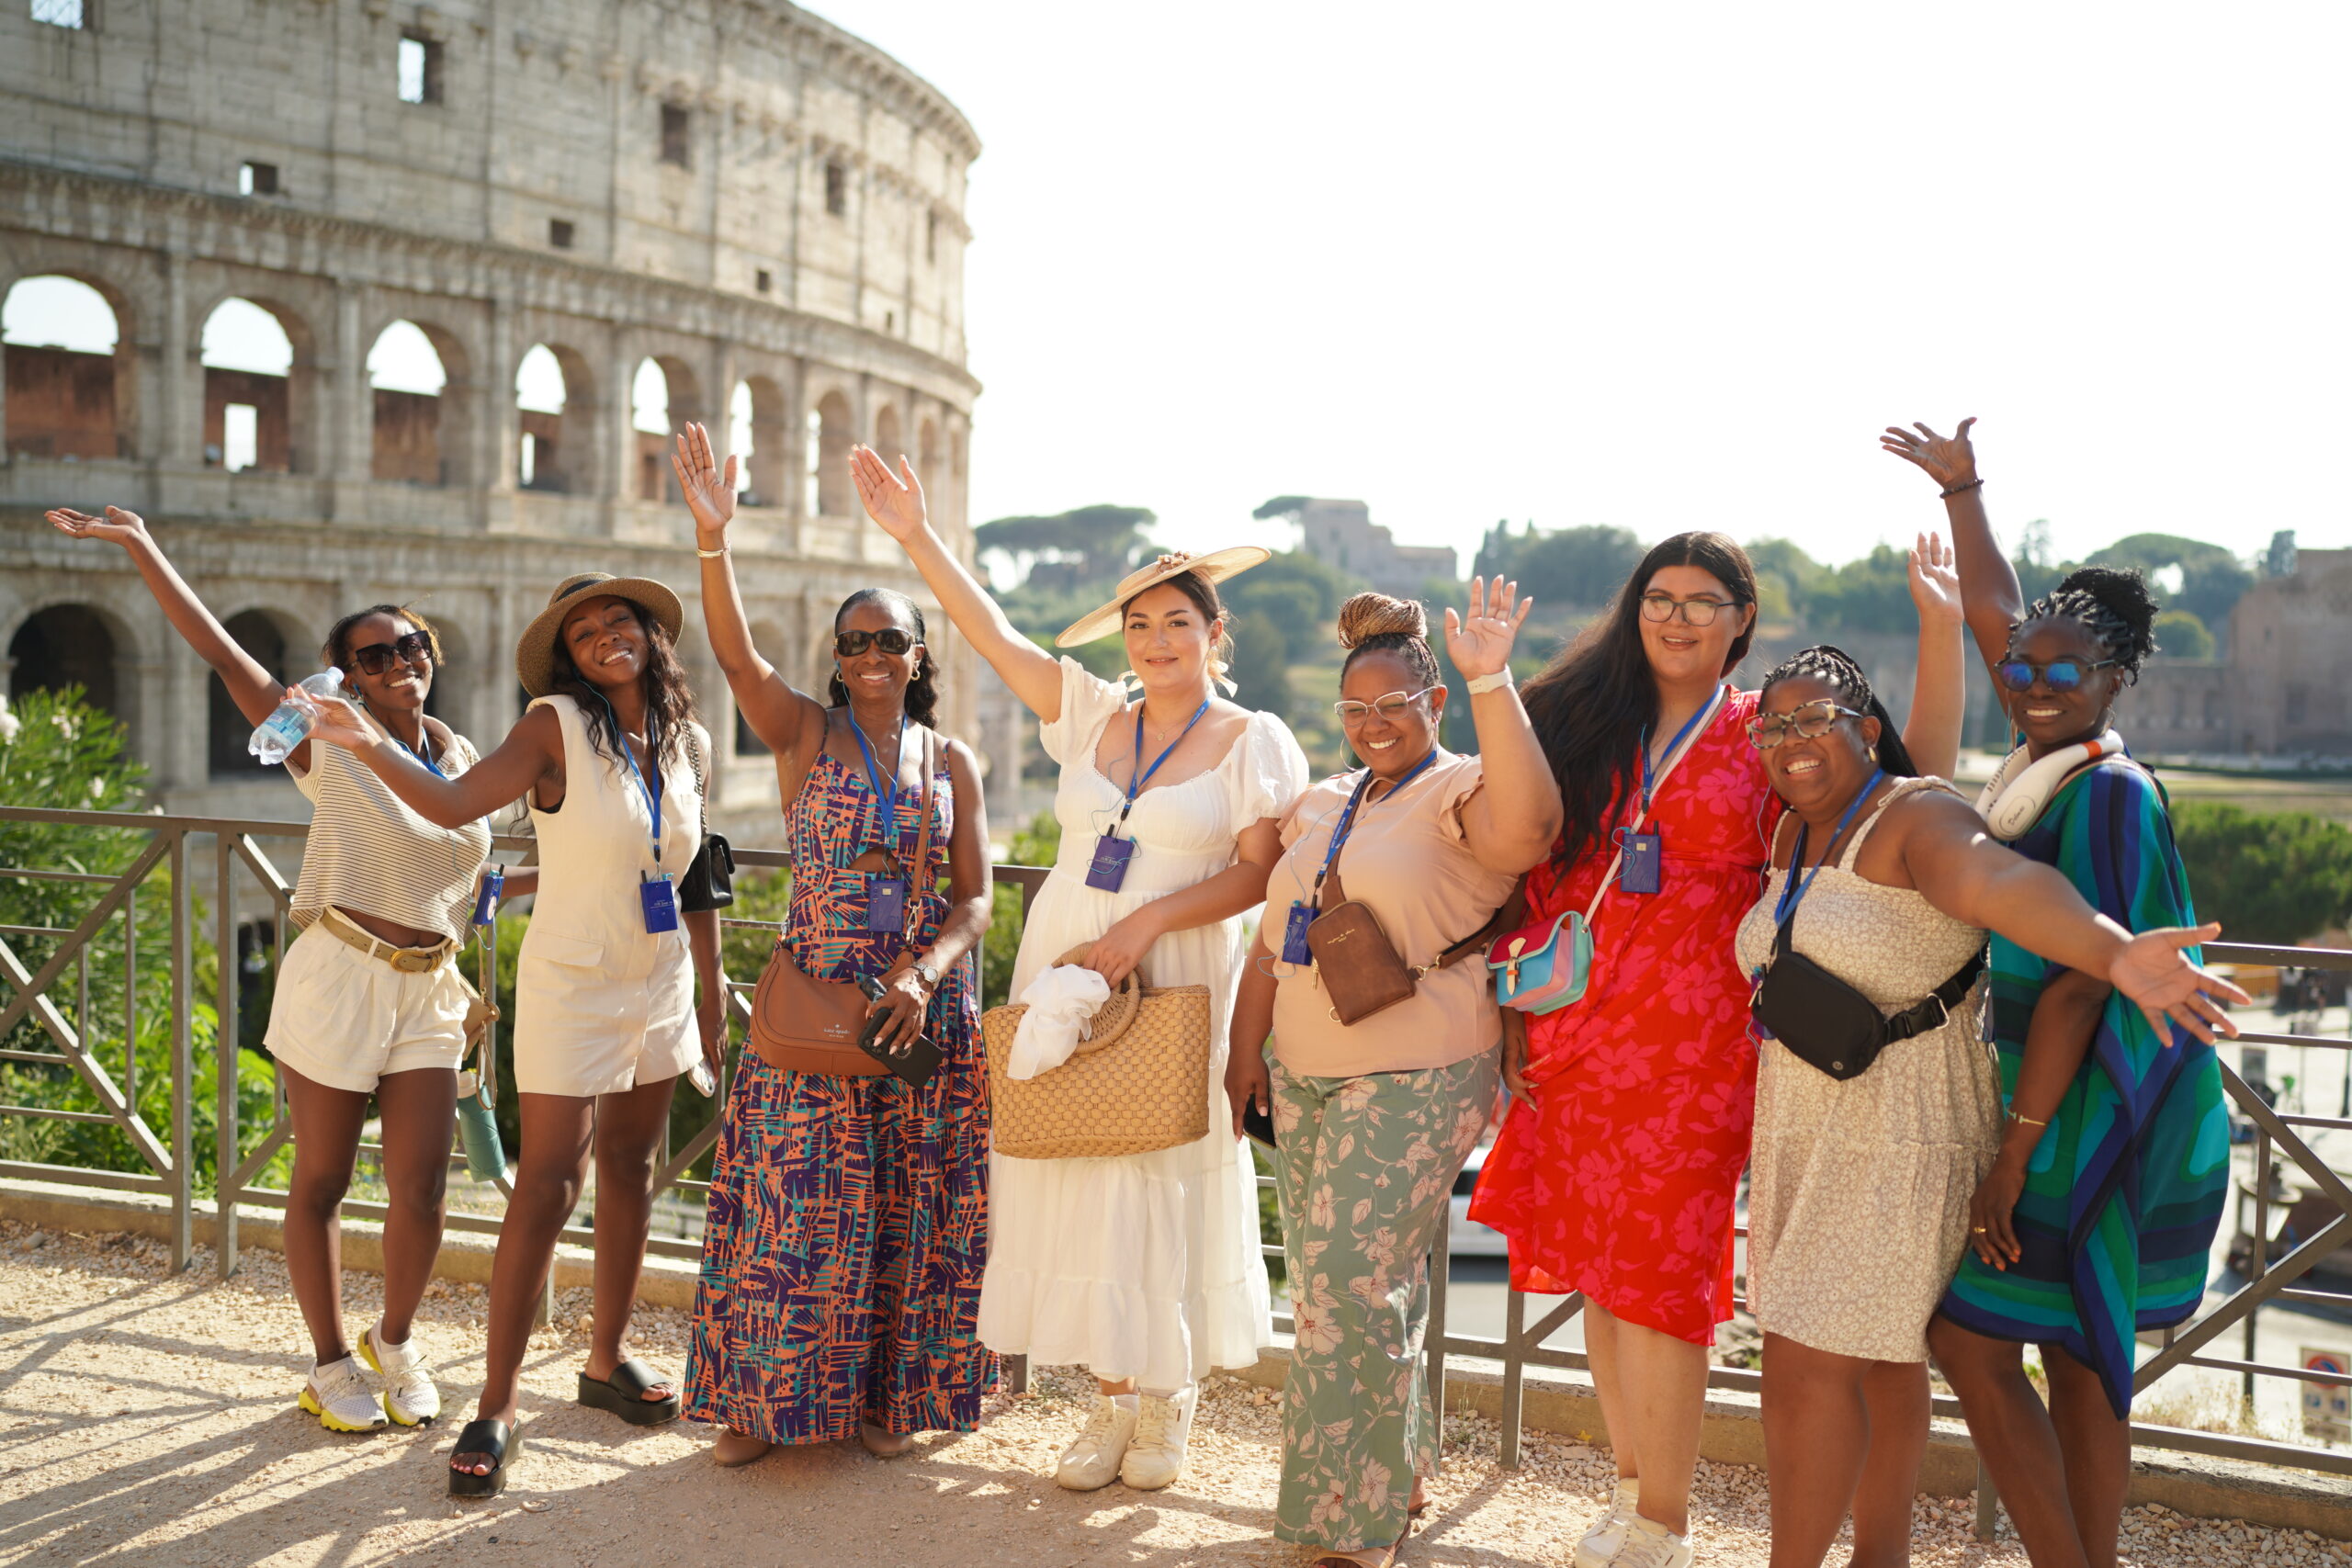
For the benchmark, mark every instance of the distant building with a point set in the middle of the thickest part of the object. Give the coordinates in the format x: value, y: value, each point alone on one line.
x: 2279, y: 689
x: 1342, y: 533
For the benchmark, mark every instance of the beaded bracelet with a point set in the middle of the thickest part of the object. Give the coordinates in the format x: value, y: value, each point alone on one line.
x: 1963, y: 490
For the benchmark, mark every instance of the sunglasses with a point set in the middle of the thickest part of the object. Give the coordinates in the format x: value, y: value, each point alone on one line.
x: 1391, y: 707
x: 1695, y: 612
x: 2059, y: 674
x: 378, y: 657
x: 889, y: 639
x: 1809, y: 722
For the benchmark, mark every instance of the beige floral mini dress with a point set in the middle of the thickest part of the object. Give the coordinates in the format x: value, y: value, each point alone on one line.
x: 1858, y: 1208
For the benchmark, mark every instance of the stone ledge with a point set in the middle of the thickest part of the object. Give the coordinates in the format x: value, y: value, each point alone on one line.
x: 1731, y: 1432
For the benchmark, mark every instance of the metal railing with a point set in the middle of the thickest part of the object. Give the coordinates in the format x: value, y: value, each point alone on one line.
x: 55, y: 997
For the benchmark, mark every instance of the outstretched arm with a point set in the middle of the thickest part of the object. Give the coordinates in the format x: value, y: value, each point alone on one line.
x: 1511, y: 822
x: 782, y: 719
x: 1988, y: 584
x: 531, y: 751
x: 1939, y: 691
x: 254, y: 689
x: 895, y: 502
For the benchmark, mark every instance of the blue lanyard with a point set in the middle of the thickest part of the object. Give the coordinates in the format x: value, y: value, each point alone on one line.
x: 1135, y: 783
x: 1348, y: 818
x: 1792, y: 891
x: 424, y: 757
x: 886, y: 794
x: 652, y: 792
x: 1679, y: 736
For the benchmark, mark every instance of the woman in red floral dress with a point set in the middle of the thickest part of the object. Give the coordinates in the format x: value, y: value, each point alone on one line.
x: 1616, y: 1171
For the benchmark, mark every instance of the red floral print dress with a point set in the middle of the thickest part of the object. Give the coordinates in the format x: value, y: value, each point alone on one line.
x: 1622, y: 1180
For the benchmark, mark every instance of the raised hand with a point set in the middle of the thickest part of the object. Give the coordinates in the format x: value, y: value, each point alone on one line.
x: 893, y: 501
x: 1948, y: 460
x: 1479, y: 642
x: 335, y: 720
x: 2150, y: 970
x: 709, y: 490
x: 1935, y: 583
x: 117, y: 526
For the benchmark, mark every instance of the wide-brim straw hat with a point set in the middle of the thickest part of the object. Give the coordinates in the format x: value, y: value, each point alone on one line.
x: 535, y: 649
x: 1214, y: 567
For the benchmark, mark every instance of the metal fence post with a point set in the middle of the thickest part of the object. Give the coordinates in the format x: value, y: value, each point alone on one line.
x: 1514, y: 1375
x: 1989, y: 1502
x: 183, y: 1054
x: 225, y: 1063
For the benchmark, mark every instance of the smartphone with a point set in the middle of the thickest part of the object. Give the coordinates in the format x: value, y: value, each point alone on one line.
x: 913, y: 1062
x: 1257, y: 1125
x: 706, y: 1082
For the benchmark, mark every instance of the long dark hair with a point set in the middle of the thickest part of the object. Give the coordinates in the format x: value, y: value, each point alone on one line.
x: 1837, y: 669
x: 1591, y: 705
x: 922, y: 692
x: 669, y: 700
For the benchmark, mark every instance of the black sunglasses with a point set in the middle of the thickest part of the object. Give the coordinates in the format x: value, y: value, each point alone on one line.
x: 889, y: 639
x: 2059, y: 674
x: 378, y: 657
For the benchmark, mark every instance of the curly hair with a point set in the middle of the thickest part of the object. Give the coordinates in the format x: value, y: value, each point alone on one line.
x: 669, y: 697
x: 2113, y: 605
x: 1373, y: 622
x: 922, y: 692
x: 1837, y: 669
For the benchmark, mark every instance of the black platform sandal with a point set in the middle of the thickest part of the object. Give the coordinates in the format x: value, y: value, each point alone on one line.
x: 497, y: 1439
x: 623, y: 1394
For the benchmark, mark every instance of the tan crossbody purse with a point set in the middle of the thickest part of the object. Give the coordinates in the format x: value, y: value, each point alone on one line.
x: 1361, y: 969
x: 803, y: 1025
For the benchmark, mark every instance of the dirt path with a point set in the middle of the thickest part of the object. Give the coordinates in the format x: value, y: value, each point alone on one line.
x: 149, y: 1419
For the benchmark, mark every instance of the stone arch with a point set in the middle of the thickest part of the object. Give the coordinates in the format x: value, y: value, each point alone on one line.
x: 755, y: 427
x: 556, y: 450
x: 66, y: 645
x: 418, y: 379
x: 888, y: 441
x: 663, y: 395
x: 68, y: 359
x: 927, y: 456
x: 259, y: 359
x: 280, y: 648
x: 830, y: 437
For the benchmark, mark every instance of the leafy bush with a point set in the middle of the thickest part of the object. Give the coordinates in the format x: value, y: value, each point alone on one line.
x: 1037, y: 844
x: 2268, y: 876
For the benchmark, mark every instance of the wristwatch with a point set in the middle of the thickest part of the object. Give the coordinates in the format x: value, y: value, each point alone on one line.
x: 926, y: 973
x: 1484, y: 683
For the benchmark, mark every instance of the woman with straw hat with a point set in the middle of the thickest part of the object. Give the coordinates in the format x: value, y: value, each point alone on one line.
x: 1144, y: 1269
x: 606, y: 1016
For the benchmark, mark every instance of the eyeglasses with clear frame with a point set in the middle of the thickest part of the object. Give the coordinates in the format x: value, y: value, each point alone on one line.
x: 1391, y: 707
x: 1811, y: 721
x: 1695, y: 612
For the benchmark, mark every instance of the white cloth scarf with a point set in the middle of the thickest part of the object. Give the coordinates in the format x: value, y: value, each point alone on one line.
x: 1062, y: 1002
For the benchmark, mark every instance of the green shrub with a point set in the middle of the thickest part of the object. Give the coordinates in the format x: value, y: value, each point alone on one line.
x: 2268, y: 876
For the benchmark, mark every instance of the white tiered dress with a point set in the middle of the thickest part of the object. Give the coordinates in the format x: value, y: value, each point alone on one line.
x: 1142, y: 1266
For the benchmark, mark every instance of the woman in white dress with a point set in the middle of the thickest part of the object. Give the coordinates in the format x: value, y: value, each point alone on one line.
x: 1144, y: 1269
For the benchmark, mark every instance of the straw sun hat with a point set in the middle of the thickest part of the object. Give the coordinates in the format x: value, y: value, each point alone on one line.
x: 535, y: 649
x: 1216, y: 567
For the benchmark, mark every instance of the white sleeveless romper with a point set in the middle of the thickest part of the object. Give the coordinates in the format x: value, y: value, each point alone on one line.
x: 601, y: 1004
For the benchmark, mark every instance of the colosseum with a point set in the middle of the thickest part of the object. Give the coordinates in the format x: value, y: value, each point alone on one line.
x: 358, y: 299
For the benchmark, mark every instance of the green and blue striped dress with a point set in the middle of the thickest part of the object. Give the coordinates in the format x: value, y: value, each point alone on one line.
x: 2125, y: 1190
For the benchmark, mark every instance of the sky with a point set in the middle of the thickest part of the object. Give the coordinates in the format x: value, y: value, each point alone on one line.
x: 1664, y: 267
x: 1661, y: 267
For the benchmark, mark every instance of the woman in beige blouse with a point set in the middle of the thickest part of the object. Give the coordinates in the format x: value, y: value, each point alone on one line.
x: 1373, y: 1120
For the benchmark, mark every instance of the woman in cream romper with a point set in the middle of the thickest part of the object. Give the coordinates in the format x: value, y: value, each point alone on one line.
x: 608, y: 1017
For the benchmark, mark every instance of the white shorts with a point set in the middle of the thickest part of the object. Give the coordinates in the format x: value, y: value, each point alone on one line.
x: 345, y: 1020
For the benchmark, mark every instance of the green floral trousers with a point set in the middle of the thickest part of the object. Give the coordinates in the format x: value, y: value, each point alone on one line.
x: 1364, y: 1167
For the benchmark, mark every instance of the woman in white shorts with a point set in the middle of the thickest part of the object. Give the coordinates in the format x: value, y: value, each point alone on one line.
x: 368, y: 1001
x: 606, y: 1016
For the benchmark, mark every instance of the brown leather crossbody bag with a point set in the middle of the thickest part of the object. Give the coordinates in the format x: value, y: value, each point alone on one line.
x: 804, y: 1025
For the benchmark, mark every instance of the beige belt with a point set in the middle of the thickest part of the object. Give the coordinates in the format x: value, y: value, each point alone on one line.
x: 407, y: 960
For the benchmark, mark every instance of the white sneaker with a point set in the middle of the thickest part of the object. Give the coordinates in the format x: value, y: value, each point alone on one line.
x: 1649, y: 1544
x: 1092, y: 1461
x: 339, y: 1395
x: 1607, y: 1532
x: 1156, y: 1455
x: 410, y: 1397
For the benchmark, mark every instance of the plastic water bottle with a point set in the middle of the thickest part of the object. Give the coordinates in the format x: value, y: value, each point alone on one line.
x: 289, y: 726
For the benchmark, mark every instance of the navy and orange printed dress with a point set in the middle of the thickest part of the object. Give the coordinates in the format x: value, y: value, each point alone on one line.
x: 848, y: 1223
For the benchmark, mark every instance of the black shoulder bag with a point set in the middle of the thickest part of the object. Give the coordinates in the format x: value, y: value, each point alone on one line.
x: 709, y: 881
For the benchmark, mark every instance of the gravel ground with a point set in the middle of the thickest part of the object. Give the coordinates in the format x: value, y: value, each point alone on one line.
x: 146, y: 1418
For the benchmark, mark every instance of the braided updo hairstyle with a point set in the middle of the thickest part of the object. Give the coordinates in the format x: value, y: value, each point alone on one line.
x: 1837, y: 668
x: 2113, y: 605
x: 1373, y: 622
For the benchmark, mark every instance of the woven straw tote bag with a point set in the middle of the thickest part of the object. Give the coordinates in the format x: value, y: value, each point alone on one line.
x: 1140, y: 1083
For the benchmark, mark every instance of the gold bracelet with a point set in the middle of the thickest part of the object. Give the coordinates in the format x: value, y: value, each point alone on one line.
x: 2028, y: 1120
x: 710, y: 554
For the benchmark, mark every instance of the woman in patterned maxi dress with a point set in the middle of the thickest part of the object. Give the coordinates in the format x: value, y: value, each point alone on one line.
x: 848, y: 1221
x: 1616, y: 1171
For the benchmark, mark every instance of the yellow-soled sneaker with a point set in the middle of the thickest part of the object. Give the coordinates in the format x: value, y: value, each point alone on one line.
x: 410, y: 1397
x: 339, y: 1395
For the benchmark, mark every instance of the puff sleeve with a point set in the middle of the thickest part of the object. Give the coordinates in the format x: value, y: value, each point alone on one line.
x: 1270, y: 772
x: 1087, y: 700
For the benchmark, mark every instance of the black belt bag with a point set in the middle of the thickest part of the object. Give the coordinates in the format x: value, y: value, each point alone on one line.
x: 1827, y: 1022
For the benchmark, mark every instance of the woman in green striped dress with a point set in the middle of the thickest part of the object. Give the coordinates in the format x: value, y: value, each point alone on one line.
x: 2097, y: 1218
